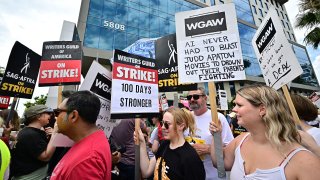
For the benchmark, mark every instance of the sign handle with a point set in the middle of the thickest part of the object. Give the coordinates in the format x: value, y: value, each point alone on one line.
x: 10, y: 115
x: 137, y: 175
x: 295, y: 116
x: 59, y: 95
x: 217, y: 135
x: 175, y: 100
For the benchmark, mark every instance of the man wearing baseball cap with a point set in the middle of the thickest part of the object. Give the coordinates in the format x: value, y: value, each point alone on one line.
x: 33, y: 149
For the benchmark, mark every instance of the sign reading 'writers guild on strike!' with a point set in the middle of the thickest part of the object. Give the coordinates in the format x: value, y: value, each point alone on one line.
x: 61, y: 63
x: 21, y: 74
x: 134, y: 85
x: 276, y: 58
x: 208, y: 45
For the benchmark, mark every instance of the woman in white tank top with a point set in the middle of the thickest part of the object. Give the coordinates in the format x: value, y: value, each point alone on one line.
x: 271, y: 149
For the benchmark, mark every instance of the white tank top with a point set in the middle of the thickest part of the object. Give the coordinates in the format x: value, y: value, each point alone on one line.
x: 238, y: 173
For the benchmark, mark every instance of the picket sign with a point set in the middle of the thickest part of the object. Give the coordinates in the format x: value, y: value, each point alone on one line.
x: 277, y: 61
x: 216, y: 135
x: 210, y: 53
x: 291, y: 106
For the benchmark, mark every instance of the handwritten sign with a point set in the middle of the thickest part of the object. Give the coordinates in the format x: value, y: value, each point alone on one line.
x: 98, y: 81
x: 209, y: 45
x: 276, y: 58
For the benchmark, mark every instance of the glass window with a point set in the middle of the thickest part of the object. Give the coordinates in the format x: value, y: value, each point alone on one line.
x: 212, y: 2
x: 293, y: 37
x: 232, y: 88
x: 133, y: 17
x: 282, y: 14
x: 289, y: 35
x: 261, y: 4
x: 308, y: 76
x: 243, y: 10
x: 119, y: 40
x: 95, y: 8
x: 254, y: 9
x: 288, y: 25
x: 91, y: 36
x: 106, y: 39
x: 261, y: 13
x: 163, y: 6
x: 109, y: 10
x: 266, y: 5
x: 143, y: 20
x: 287, y: 17
x: 283, y: 24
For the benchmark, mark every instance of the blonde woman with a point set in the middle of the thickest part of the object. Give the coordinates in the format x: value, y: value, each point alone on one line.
x: 271, y: 149
x: 175, y: 158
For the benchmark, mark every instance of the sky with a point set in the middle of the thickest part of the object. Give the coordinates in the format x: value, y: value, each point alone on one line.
x: 32, y: 22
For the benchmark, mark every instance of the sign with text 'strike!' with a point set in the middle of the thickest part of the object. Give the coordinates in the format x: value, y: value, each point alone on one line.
x: 61, y: 63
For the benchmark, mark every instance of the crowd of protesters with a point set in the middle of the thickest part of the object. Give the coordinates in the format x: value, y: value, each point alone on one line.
x: 179, y: 145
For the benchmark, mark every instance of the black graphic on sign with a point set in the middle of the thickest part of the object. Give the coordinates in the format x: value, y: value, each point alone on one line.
x: 166, y: 57
x: 21, y: 74
x: 206, y: 24
x: 62, y: 50
x: 102, y: 87
x: 265, y: 36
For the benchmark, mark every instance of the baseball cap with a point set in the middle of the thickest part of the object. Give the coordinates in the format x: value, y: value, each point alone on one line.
x: 37, y: 109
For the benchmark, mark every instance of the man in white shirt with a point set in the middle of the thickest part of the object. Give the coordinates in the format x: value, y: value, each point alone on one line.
x: 198, y: 104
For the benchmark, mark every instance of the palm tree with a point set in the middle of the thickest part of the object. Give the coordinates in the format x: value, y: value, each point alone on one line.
x: 309, y: 18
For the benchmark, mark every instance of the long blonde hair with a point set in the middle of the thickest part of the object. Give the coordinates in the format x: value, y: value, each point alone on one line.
x: 279, y: 123
x: 181, y: 116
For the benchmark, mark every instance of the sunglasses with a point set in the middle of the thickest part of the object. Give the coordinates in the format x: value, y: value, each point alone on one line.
x: 194, y: 96
x: 165, y: 124
x: 58, y: 111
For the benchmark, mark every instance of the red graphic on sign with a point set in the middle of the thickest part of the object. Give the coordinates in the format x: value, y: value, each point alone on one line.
x: 60, y: 72
x: 133, y: 73
x: 4, y: 102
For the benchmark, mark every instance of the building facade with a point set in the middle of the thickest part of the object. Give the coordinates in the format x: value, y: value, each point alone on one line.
x: 105, y: 25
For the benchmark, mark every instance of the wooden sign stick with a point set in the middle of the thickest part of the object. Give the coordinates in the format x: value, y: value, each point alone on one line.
x: 294, y: 114
x: 217, y: 135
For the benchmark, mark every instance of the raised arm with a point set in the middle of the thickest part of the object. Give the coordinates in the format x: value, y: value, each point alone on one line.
x: 147, y: 166
x: 228, y: 151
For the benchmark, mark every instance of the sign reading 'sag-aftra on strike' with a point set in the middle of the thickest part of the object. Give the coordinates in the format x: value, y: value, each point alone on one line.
x: 21, y: 74
x: 276, y: 58
x: 209, y: 45
x: 61, y: 63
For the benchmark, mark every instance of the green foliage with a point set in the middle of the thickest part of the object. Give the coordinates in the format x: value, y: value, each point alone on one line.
x: 309, y: 18
x: 37, y: 100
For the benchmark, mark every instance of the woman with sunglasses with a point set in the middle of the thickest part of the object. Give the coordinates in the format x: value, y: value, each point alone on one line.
x: 175, y: 159
x: 271, y: 149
